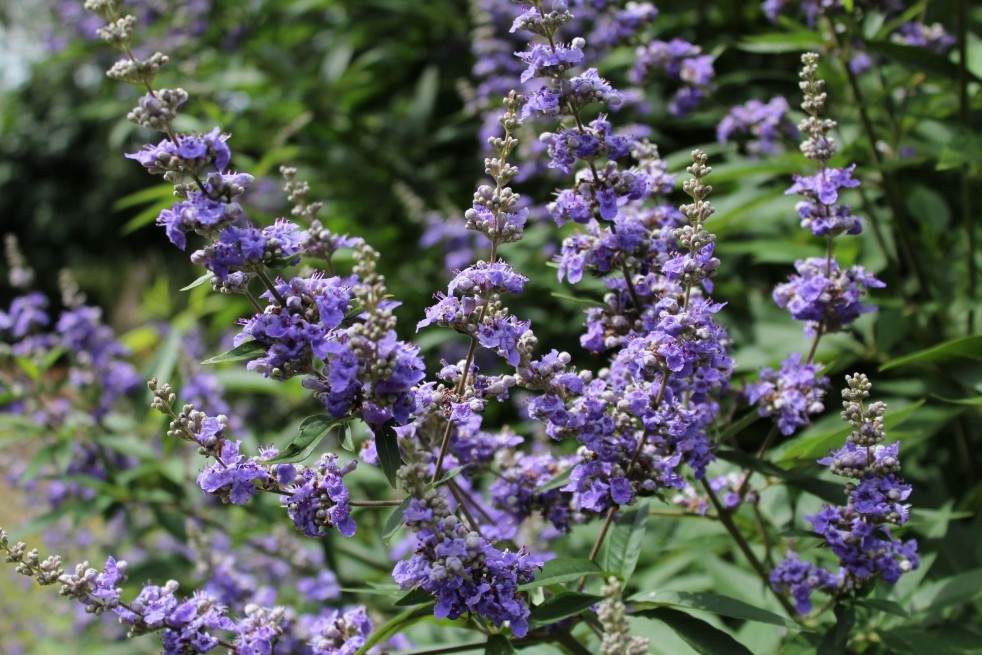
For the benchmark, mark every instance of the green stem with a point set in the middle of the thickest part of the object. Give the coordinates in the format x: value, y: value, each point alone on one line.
x: 741, y: 541
x: 905, y: 229
x: 968, y: 218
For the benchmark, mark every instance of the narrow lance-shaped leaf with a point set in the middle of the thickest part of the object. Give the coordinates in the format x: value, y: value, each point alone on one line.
x: 395, y: 520
x: 701, y: 636
x: 397, y: 624
x: 499, y: 645
x: 312, y: 430
x: 708, y: 602
x: 561, y: 569
x: 247, y: 350
x: 562, y: 606
x: 387, y: 446
x: 835, y: 640
x: 625, y: 542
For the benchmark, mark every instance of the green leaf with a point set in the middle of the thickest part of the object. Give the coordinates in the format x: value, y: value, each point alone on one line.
x: 813, y: 445
x: 701, y: 636
x: 560, y: 480
x: 395, y: 520
x: 963, y: 348
x: 782, y: 42
x: 836, y: 639
x: 29, y: 368
x: 201, y: 280
x: 563, y: 570
x: 714, y: 603
x: 577, y: 299
x: 312, y: 430
x: 387, y: 446
x: 344, y: 438
x: 739, y: 425
x: 414, y: 597
x: 397, y: 624
x: 499, y: 645
x: 562, y: 606
x: 974, y: 401
x: 918, y: 59
x: 883, y: 605
x: 247, y: 350
x: 158, y: 192
x: 448, y: 475
x: 957, y: 589
x: 944, y: 639
x: 625, y: 542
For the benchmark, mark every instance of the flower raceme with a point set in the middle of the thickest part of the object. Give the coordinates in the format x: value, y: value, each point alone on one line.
x: 639, y: 425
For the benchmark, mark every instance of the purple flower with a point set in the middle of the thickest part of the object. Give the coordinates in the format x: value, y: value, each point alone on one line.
x: 191, y: 153
x: 231, y: 479
x: 544, y: 60
x: 300, y: 328
x: 933, y: 38
x: 340, y: 633
x: 791, y: 394
x: 800, y: 579
x: 467, y: 574
x: 824, y: 186
x: 760, y: 125
x: 828, y: 298
x: 319, y: 499
x: 678, y: 60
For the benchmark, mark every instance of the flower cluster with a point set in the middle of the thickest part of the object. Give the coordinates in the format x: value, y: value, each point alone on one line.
x: 680, y: 61
x: 478, y: 311
x: 857, y: 533
x: 315, y: 497
x: 756, y: 126
x: 826, y: 297
x: 933, y: 38
x: 791, y: 393
x: 462, y: 569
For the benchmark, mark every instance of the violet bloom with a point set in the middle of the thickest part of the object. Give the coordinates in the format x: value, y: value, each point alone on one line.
x: 857, y: 533
x: 800, y: 579
x: 99, y: 359
x: 830, y: 299
x: 231, y: 479
x: 191, y: 153
x: 340, y: 633
x: 300, y: 328
x: 757, y: 126
x: 465, y: 572
x: 933, y: 38
x: 678, y: 60
x: 318, y: 499
x: 824, y: 186
x: 790, y: 394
